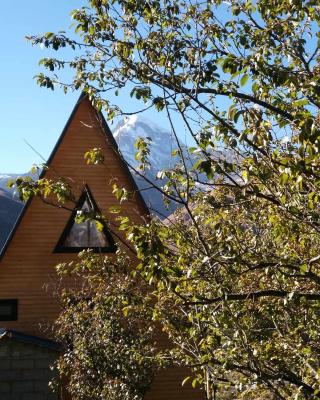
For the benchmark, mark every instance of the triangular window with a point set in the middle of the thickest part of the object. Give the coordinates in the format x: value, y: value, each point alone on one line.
x: 85, y: 235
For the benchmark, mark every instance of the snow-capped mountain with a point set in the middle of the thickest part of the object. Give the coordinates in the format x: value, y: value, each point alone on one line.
x: 130, y: 128
x: 4, y: 178
x: 161, y: 146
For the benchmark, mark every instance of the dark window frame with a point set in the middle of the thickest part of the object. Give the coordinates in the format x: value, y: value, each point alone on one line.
x: 60, y: 248
x: 13, y: 316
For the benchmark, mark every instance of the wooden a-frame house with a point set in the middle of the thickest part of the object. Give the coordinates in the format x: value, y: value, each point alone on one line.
x: 45, y: 236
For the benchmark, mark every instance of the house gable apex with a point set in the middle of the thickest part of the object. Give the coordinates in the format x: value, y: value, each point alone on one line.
x: 110, y: 139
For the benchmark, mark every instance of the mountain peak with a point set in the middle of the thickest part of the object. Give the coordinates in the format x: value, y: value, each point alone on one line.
x: 134, y: 126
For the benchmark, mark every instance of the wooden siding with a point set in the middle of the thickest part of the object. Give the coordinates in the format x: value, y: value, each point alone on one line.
x: 27, y: 266
x: 27, y: 270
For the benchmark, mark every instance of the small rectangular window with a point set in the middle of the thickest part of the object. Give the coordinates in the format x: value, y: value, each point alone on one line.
x: 8, y: 310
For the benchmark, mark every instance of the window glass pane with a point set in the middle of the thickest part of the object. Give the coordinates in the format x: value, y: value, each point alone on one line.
x: 8, y: 310
x: 85, y: 234
x: 5, y: 310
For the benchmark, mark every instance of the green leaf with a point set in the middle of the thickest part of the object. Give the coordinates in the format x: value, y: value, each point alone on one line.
x: 300, y: 103
x: 244, y: 79
x: 304, y: 268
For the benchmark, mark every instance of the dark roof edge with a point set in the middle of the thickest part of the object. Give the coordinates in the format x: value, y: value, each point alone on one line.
x: 21, y: 215
x: 29, y: 339
x: 109, y: 134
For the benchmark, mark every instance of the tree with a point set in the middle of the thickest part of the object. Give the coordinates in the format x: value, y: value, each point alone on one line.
x: 107, y: 355
x: 236, y: 272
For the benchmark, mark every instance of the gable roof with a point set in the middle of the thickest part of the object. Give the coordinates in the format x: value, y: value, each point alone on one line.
x: 109, y: 136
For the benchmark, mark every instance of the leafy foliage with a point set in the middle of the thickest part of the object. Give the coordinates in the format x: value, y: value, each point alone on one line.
x: 107, y: 355
x: 240, y: 301
x: 235, y: 273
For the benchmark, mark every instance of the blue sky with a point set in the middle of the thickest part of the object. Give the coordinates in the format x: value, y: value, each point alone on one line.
x: 29, y: 112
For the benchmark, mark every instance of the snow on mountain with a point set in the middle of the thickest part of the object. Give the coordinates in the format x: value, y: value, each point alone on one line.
x: 132, y: 127
x: 4, y: 178
x: 161, y: 146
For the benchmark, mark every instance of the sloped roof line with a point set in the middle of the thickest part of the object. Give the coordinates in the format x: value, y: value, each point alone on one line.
x: 114, y: 144
x: 106, y: 129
